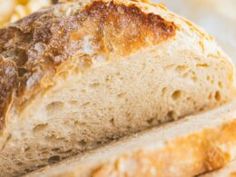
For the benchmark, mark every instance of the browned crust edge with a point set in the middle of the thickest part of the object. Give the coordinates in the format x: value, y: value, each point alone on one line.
x: 34, y: 47
x: 195, y: 154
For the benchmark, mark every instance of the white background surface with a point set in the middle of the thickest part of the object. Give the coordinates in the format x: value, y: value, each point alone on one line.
x: 217, y: 17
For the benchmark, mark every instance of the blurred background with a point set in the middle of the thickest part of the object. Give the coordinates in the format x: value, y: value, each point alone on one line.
x: 217, y: 17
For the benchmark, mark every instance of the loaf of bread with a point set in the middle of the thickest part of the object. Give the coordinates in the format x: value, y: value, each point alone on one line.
x: 227, y: 171
x: 77, y: 75
x: 185, y: 148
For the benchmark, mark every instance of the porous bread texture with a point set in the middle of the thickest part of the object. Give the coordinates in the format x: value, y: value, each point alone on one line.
x: 80, y: 88
x: 188, y: 147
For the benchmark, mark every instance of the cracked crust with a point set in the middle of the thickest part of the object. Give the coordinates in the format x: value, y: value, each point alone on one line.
x: 35, y: 48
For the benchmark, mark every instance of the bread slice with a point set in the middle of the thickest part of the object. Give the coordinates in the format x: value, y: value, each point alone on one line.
x: 77, y: 75
x: 188, y: 147
x: 227, y: 171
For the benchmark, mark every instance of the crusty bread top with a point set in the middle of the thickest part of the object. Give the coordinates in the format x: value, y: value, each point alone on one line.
x: 36, y: 47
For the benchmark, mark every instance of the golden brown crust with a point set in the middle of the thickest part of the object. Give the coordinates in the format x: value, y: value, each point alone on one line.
x: 124, y: 29
x: 37, y: 45
x: 208, y: 150
x: 8, y: 81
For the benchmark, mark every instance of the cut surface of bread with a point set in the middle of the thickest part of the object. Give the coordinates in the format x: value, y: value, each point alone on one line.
x: 227, y: 171
x: 185, y: 148
x: 77, y: 75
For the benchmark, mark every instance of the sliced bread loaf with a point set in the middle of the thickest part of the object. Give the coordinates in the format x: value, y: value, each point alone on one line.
x: 185, y: 148
x: 77, y: 75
